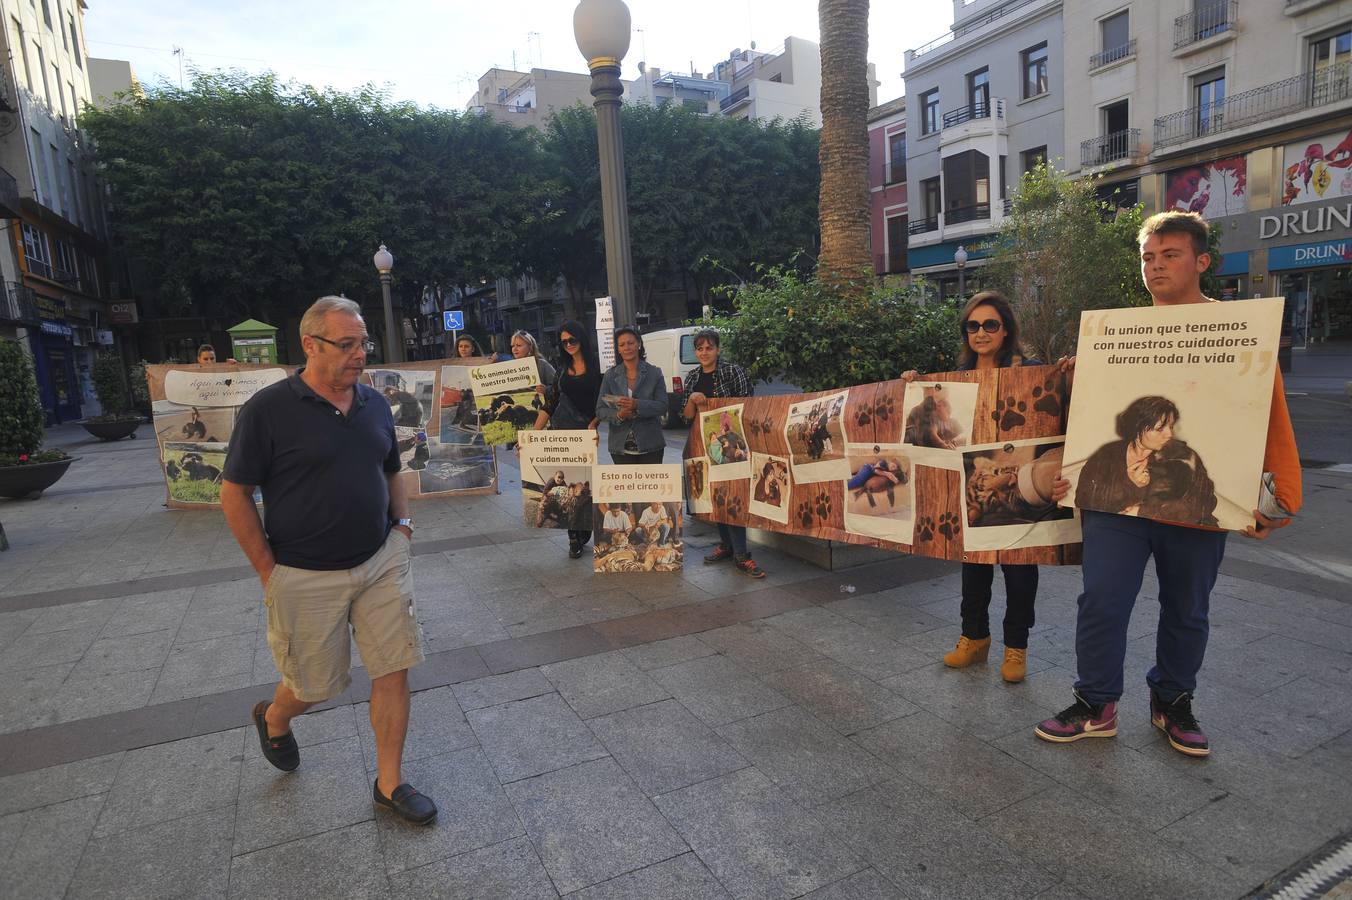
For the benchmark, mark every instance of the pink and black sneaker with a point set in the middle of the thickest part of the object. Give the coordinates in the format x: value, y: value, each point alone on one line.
x: 1081, y: 719
x: 1179, y: 725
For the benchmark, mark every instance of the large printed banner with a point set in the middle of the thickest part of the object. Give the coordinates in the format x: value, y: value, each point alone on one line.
x: 556, y: 476
x: 637, y: 519
x: 440, y: 443
x: 1170, y: 411
x: 958, y: 465
x: 505, y: 396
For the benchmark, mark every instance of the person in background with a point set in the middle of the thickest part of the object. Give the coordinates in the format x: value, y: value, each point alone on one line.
x: 990, y: 340
x: 571, y: 398
x: 523, y: 345
x: 633, y: 401
x: 206, y: 354
x: 709, y: 380
x: 467, y: 347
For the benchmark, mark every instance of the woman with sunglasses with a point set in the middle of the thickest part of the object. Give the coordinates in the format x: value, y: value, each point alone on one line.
x: 990, y: 340
x: 633, y: 401
x: 571, y: 397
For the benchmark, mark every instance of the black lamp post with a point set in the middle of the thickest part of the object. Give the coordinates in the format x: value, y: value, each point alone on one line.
x: 394, y: 343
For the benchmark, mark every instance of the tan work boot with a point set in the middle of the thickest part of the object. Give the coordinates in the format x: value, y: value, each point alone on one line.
x: 967, y: 652
x: 1015, y: 665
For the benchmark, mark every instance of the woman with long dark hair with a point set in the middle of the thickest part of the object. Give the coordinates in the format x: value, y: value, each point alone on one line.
x: 571, y: 399
x: 633, y: 401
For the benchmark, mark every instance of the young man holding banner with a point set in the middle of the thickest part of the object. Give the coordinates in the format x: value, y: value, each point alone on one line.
x: 1187, y: 559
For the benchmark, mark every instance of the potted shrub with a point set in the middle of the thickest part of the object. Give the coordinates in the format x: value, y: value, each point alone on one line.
x: 117, y: 421
x: 25, y: 469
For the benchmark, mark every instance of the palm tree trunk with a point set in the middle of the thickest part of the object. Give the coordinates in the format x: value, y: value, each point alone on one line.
x: 844, y: 198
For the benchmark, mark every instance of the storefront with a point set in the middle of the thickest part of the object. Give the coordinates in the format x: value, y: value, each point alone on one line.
x: 1316, y: 280
x: 58, y: 361
x: 936, y: 263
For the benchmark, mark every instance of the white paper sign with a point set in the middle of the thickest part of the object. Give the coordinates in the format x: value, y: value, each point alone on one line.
x: 217, y: 388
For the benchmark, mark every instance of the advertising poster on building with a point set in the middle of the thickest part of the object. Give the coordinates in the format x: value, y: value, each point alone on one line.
x: 637, y: 519
x: 1317, y: 169
x: 194, y: 409
x: 1169, y: 416
x: 556, y: 473
x: 506, y: 398
x: 885, y: 491
x: 1215, y: 189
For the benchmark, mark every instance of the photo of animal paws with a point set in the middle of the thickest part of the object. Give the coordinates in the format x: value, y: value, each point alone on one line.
x: 1008, y: 414
x: 735, y: 508
x: 924, y: 529
x: 949, y: 526
x: 883, y: 409
x: 1046, y: 400
x: 720, y: 496
x: 760, y: 428
x: 804, y: 514
x: 864, y: 416
x: 822, y: 505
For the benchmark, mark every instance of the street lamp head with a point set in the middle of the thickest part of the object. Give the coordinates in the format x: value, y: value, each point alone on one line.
x: 960, y: 257
x: 602, y: 30
x: 384, y: 260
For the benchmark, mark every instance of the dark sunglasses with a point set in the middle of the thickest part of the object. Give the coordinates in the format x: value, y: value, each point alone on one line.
x: 569, y: 342
x: 990, y: 326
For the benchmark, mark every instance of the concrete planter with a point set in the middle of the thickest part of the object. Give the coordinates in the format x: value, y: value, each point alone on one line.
x: 30, y: 480
x: 112, y: 431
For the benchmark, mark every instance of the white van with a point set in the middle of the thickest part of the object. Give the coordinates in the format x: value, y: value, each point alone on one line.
x: 673, y: 351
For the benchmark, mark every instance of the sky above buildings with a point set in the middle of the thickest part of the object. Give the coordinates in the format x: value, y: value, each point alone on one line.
x: 433, y: 51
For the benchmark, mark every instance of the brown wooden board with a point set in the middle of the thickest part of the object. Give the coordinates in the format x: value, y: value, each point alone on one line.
x: 1013, y: 404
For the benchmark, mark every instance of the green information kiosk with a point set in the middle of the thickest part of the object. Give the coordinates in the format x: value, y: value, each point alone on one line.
x: 253, y: 341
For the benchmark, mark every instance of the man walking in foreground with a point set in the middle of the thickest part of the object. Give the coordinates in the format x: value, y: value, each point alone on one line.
x: 1116, y: 547
x: 333, y: 547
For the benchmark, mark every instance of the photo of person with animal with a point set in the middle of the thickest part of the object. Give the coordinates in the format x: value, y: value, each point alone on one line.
x: 194, y: 424
x: 880, y: 492
x: 194, y: 470
x: 562, y: 501
x: 815, y: 432
x: 933, y: 413
x: 770, y: 487
x: 725, y: 443
x: 638, y: 537
x: 1011, y: 485
x: 697, y: 485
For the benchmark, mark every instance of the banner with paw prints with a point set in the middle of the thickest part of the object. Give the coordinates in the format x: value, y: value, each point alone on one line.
x: 957, y: 465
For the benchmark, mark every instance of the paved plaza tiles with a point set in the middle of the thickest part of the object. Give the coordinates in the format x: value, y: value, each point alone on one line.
x: 682, y: 736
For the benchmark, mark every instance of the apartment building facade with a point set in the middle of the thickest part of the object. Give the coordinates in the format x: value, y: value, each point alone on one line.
x: 785, y: 83
x: 887, y: 186
x: 53, y: 261
x: 985, y: 104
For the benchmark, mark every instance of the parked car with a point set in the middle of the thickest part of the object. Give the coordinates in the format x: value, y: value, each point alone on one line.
x: 673, y: 351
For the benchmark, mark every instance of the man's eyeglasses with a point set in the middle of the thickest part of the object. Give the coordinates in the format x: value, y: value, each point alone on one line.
x: 990, y: 326
x: 569, y: 341
x: 349, y: 345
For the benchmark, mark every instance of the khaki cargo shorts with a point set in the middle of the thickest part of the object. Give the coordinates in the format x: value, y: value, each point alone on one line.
x: 309, y: 614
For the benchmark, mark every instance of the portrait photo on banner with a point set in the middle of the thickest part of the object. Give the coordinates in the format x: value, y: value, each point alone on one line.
x: 815, y: 432
x: 769, y: 487
x: 697, y: 490
x: 1168, y: 417
x: 880, y: 492
x: 1007, y: 496
x: 725, y: 443
x: 938, y: 415
x: 556, y: 473
x: 637, y: 519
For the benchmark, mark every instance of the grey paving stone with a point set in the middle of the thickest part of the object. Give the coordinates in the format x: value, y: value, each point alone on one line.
x: 507, y: 871
x: 965, y: 771
x: 758, y: 648
x: 590, y: 823
x: 472, y: 811
x: 435, y: 726
x: 54, y: 784
x: 1334, y: 756
x: 920, y: 842
x: 330, y: 790
x: 1061, y: 891
x: 310, y: 729
x: 682, y: 877
x: 839, y: 696
x: 807, y: 759
x: 11, y: 828
x: 206, y: 667
x: 26, y: 696
x: 45, y: 648
x: 143, y: 613
x: 345, y: 862
x: 659, y: 654
x: 897, y: 620
x: 125, y: 653
x: 80, y: 616
x: 663, y: 747
x: 849, y: 642
x: 528, y: 737
x: 755, y: 840
x: 865, y: 885
x: 519, y: 685
x: 603, y: 683
x: 81, y: 697
x: 718, y: 690
x: 183, y: 858
x: 983, y: 707
x: 170, y: 781
x: 216, y: 612
x: 1291, y: 720
x: 1069, y: 840
x: 1245, y: 840
x: 46, y: 848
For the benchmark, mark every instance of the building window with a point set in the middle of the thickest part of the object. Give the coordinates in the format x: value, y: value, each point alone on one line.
x: 1034, y: 158
x: 896, y: 158
x: 967, y: 187
x: 1329, y: 58
x: 979, y: 93
x: 42, y: 70
x: 778, y: 77
x: 47, y: 13
x: 56, y: 86
x: 1116, y: 34
x: 35, y: 251
x: 16, y: 40
x: 1004, y: 187
x: 65, y: 41
x: 1208, y: 94
x: 929, y: 112
x: 75, y: 42
x: 1035, y: 71
x: 896, y: 244
x: 931, y: 195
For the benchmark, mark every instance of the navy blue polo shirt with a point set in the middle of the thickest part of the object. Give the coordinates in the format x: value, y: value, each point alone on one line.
x: 326, y: 503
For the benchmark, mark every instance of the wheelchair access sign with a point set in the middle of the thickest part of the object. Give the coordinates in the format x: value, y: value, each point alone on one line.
x: 453, y: 320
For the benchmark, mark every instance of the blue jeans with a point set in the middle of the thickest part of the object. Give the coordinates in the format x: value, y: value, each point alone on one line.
x: 733, y: 536
x: 1116, y: 550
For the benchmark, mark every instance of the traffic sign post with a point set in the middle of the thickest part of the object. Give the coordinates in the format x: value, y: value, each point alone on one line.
x: 453, y: 320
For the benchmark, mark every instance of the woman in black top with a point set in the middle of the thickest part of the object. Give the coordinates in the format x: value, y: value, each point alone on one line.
x: 570, y: 402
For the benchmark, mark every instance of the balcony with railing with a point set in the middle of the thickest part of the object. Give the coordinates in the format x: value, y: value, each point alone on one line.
x: 735, y: 98
x: 1112, y: 55
x: 975, y: 213
x: 1263, y: 104
x: 921, y: 226
x: 1205, y: 22
x: 1109, y: 148
x: 17, y: 304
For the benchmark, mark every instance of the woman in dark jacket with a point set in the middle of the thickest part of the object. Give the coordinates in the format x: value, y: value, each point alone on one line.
x: 633, y: 401
x: 571, y: 399
x: 990, y: 340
